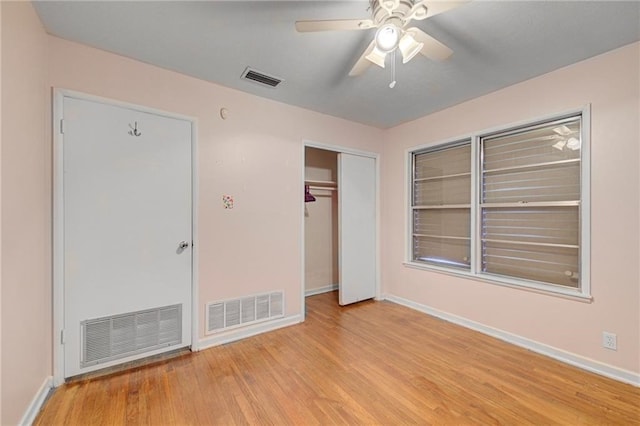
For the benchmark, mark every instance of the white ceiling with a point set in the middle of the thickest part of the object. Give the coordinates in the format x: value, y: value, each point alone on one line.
x: 495, y: 44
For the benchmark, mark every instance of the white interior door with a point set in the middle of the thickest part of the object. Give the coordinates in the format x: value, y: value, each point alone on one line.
x: 357, y: 227
x: 127, y: 234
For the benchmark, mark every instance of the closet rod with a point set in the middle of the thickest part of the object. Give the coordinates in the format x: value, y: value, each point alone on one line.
x: 320, y: 183
x: 328, y: 188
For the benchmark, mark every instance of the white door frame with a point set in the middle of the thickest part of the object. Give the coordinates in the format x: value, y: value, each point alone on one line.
x: 58, y: 219
x: 340, y: 150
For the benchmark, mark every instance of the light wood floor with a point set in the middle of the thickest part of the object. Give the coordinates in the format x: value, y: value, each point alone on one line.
x: 372, y: 363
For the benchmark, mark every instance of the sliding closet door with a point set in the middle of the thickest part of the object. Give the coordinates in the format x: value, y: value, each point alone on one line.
x: 357, y: 227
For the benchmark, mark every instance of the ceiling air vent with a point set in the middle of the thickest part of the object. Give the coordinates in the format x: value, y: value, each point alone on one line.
x: 260, y: 77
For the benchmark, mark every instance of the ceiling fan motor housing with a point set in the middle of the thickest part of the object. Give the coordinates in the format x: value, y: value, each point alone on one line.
x: 398, y: 12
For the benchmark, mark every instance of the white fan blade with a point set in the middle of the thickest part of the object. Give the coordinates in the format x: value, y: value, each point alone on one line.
x: 363, y: 63
x: 432, y: 48
x: 334, y: 25
x: 436, y: 7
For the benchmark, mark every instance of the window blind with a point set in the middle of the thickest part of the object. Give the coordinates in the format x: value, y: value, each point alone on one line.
x: 530, y: 203
x: 441, y: 206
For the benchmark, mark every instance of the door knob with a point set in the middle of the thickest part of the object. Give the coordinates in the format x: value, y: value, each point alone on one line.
x: 183, y: 245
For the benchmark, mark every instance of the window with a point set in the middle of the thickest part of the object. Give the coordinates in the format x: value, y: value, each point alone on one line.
x: 441, y: 207
x: 504, y: 206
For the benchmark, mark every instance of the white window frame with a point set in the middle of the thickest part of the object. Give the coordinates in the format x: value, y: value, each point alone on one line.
x: 583, y: 292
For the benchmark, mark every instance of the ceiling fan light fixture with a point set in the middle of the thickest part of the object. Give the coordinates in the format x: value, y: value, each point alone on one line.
x: 377, y: 57
x: 409, y: 47
x: 387, y: 38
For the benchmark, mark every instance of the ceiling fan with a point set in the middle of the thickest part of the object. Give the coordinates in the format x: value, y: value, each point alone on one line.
x: 391, y: 18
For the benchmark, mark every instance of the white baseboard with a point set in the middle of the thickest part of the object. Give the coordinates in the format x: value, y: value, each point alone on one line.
x: 591, y: 365
x: 251, y: 330
x: 320, y: 290
x: 37, y: 402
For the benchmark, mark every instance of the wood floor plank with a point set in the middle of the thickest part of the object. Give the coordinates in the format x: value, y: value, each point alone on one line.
x: 369, y: 363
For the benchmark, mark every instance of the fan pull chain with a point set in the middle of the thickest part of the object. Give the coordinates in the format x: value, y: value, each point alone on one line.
x: 393, y: 70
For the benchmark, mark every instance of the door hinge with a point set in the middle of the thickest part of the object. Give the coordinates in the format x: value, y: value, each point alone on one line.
x: 62, y: 126
x: 62, y: 340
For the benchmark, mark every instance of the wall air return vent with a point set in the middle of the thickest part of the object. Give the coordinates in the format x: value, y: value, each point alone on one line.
x: 119, y: 336
x: 233, y: 313
x: 260, y: 78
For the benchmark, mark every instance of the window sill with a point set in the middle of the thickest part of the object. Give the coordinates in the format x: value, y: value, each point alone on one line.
x: 565, y: 293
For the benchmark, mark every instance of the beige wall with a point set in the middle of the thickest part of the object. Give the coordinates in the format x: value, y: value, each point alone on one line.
x: 26, y: 214
x: 255, y: 155
x: 321, y: 222
x: 610, y: 83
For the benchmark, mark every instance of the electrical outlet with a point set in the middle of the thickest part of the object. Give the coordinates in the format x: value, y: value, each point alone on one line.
x: 609, y: 340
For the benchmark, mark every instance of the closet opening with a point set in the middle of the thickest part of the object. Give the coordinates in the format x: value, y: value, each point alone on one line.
x: 340, y: 223
x: 321, y: 221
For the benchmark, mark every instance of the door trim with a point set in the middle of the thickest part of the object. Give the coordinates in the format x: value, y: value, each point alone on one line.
x: 58, y: 219
x: 341, y: 150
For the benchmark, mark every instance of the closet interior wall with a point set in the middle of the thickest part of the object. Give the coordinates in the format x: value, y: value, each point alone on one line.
x: 321, y: 221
